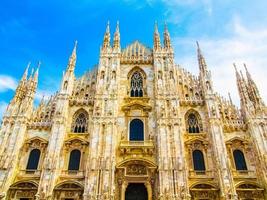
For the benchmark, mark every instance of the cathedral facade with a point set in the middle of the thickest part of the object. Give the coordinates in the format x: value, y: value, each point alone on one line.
x: 136, y: 127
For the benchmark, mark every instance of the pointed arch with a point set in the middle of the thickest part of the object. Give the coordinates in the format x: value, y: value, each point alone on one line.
x: 198, y: 161
x: 33, y: 159
x: 136, y: 130
x: 239, y: 158
x: 74, y: 160
x: 193, y: 122
x: 137, y: 81
x: 80, y: 121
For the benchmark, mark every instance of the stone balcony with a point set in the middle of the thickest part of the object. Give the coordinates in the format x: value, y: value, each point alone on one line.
x: 191, y: 101
x: 29, y: 173
x: 137, y: 148
x: 72, y: 174
x: 243, y: 174
x: 201, y: 174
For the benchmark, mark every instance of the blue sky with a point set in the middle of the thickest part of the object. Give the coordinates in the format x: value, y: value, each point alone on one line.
x: 228, y: 31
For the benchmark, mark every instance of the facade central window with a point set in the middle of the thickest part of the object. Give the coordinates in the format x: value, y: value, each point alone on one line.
x: 74, y: 161
x: 198, y: 161
x: 137, y: 85
x: 136, y: 130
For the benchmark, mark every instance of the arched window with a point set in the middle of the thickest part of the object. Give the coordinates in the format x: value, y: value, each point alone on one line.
x: 192, y: 123
x: 33, y: 159
x: 136, y: 130
x: 240, y: 162
x: 137, y: 85
x: 198, y: 160
x: 80, y: 123
x: 74, y: 161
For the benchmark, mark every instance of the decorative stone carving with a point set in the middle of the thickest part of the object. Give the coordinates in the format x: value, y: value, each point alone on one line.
x: 136, y: 169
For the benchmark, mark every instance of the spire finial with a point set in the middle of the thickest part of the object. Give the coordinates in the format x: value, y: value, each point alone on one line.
x: 106, y: 42
x: 165, y: 26
x: 37, y: 71
x: 107, y: 29
x: 32, y: 72
x: 245, y: 67
x: 25, y: 74
x: 235, y: 67
x: 75, y: 48
x: 116, y: 39
x: 167, y: 38
x: 75, y: 44
x: 72, y: 59
x: 201, y: 60
x: 197, y: 45
x: 118, y: 26
x: 157, y: 44
x: 156, y: 27
x: 230, y: 98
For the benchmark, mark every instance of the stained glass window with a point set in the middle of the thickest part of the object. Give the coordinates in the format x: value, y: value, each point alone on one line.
x: 137, y: 85
x: 192, y: 122
x: 80, y: 123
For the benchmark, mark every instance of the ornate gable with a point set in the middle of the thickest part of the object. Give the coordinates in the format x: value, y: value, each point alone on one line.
x: 136, y: 53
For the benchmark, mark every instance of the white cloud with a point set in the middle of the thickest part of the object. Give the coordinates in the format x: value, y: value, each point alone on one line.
x: 7, y: 83
x: 244, y: 46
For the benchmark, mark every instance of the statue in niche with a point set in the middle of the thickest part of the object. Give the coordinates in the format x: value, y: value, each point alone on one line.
x: 213, y: 111
x: 174, y: 111
x: 161, y: 110
x: 151, y: 136
x: 123, y: 134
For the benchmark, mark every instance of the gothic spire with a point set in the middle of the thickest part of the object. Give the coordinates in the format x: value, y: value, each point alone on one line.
x: 230, y: 98
x: 106, y: 42
x: 201, y: 60
x: 21, y: 88
x: 167, y: 38
x: 253, y: 89
x: 241, y: 86
x: 116, y: 40
x: 25, y: 75
x: 72, y: 59
x: 36, y: 74
x: 157, y: 44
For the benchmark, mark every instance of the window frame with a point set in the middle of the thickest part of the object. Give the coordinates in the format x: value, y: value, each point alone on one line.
x: 129, y: 132
x: 80, y: 161
x: 29, y: 156
x: 74, y: 124
x: 204, y: 160
x: 244, y: 157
